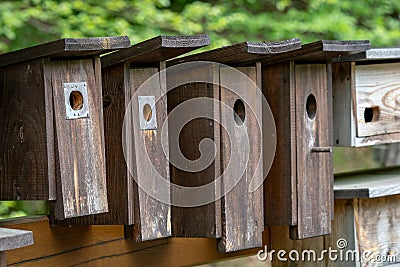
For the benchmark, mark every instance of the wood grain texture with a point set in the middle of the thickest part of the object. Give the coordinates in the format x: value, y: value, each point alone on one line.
x: 280, y: 193
x: 343, y: 91
x: 314, y: 169
x: 280, y: 240
x: 369, y: 184
x: 321, y: 51
x: 3, y: 259
x: 345, y: 112
x: 242, y: 209
x: 378, y: 86
x: 152, y: 218
x: 377, y: 228
x: 68, y: 47
x: 157, y: 49
x: 201, y: 221
x: 242, y: 52
x: 81, y: 181
x: 116, y: 83
x: 342, y: 228
x: 12, y: 239
x: 105, y: 246
x: 330, y: 135
x: 26, y: 137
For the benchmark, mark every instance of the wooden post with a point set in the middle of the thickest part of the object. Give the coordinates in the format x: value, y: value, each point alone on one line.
x: 52, y: 143
x: 237, y: 218
x: 298, y: 86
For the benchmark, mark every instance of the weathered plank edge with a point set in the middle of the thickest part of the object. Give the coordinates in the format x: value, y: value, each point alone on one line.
x: 151, y: 46
x: 360, y: 189
x: 321, y: 50
x: 254, y: 50
x: 373, y: 54
x: 65, y: 48
x: 13, y: 238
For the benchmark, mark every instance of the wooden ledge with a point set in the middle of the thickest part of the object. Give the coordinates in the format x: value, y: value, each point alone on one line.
x: 12, y: 239
x: 157, y: 49
x: 105, y: 245
x: 69, y: 47
x: 367, y: 184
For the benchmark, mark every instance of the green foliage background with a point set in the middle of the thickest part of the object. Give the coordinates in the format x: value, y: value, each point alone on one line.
x: 30, y: 22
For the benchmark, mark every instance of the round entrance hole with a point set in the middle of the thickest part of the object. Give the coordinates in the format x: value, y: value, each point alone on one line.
x: 239, y: 112
x: 76, y: 100
x: 311, y: 106
x: 147, y: 112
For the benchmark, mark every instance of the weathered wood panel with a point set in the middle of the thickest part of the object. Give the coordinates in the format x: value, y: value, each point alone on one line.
x: 280, y: 240
x: 377, y: 99
x: 243, y: 219
x: 152, y: 218
x: 368, y: 184
x: 343, y: 91
x: 115, y: 81
x: 280, y: 193
x: 342, y: 229
x: 377, y: 228
x: 301, y: 252
x: 26, y: 134
x: 205, y: 220
x: 314, y: 152
x: 81, y: 181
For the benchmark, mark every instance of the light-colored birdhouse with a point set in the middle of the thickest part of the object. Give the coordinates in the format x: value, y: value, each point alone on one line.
x: 366, y: 103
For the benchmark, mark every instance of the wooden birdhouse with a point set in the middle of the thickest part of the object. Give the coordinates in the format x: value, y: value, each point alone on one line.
x: 366, y: 98
x: 134, y: 116
x: 51, y: 125
x: 230, y: 118
x: 298, y: 86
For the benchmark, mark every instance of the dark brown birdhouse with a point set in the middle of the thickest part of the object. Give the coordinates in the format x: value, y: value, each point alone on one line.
x: 366, y: 99
x: 298, y: 86
x: 51, y: 125
x: 134, y: 116
x: 232, y: 119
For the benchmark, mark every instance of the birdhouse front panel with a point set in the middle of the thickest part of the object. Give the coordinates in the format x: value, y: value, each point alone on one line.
x: 78, y: 122
x: 314, y: 152
x: 149, y: 149
x: 241, y: 161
